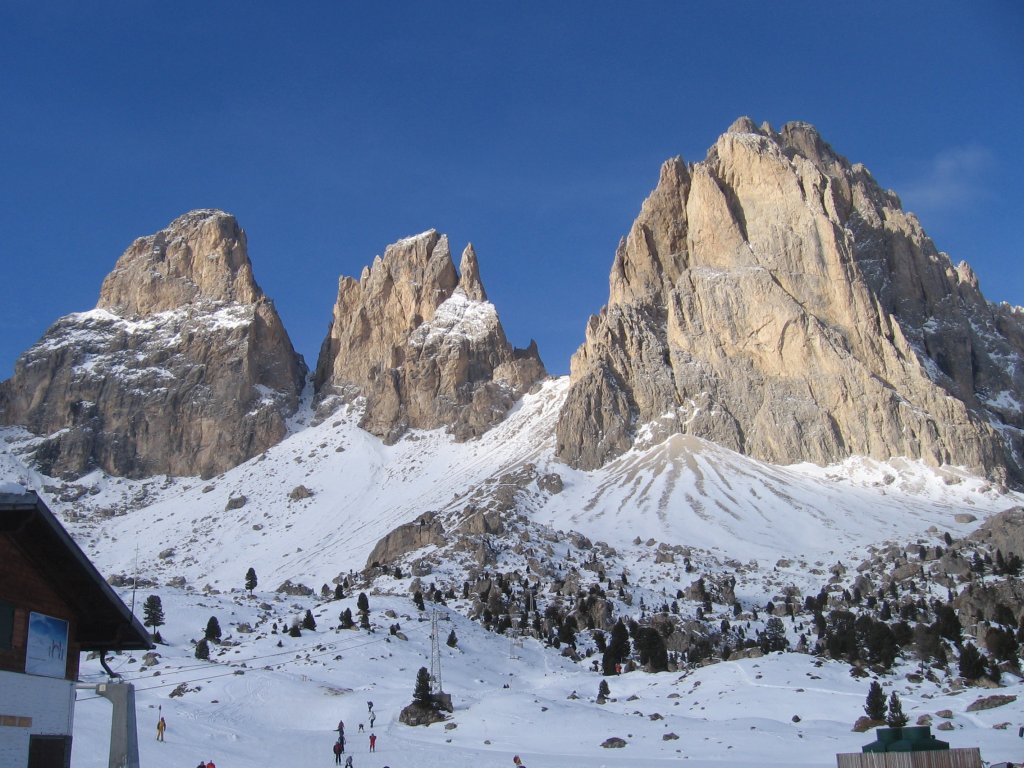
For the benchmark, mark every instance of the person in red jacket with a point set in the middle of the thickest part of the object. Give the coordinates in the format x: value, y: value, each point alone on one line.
x: 337, y: 752
x: 373, y: 742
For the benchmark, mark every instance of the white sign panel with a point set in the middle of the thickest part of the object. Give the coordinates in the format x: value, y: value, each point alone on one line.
x: 47, y: 652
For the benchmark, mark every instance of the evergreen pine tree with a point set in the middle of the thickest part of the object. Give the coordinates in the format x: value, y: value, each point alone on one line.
x: 947, y: 623
x: 774, y: 636
x: 417, y: 598
x: 294, y: 631
x: 212, y: 630
x: 895, y: 718
x: 993, y: 672
x: 250, y: 580
x: 339, y: 592
x: 972, y: 665
x: 362, y: 602
x: 452, y: 640
x: 874, y: 706
x: 603, y: 691
x: 203, y: 649
x: 308, y: 622
x: 346, y: 619
x: 421, y: 693
x: 153, y: 612
x: 651, y: 647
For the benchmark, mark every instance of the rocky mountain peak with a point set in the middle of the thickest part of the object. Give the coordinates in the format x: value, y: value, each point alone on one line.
x: 743, y: 125
x: 422, y: 345
x: 774, y: 299
x: 200, y: 256
x: 183, y: 368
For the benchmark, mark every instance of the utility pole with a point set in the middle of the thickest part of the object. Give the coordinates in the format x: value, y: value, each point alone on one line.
x: 515, y: 639
x: 441, y: 699
x: 435, y: 654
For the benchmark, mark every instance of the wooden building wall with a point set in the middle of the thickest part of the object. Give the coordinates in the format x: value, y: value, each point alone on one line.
x: 22, y: 586
x: 952, y: 758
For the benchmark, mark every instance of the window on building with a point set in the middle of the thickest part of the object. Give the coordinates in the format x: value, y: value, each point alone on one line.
x: 49, y: 751
x: 6, y: 626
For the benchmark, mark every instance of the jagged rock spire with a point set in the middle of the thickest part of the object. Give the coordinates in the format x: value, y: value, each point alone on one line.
x: 469, y: 276
x: 422, y: 345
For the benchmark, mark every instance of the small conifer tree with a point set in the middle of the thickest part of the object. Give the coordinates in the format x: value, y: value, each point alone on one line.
x: 339, y: 592
x: 212, y: 630
x: 603, y: 690
x: 308, y: 622
x: 452, y: 640
x: 203, y: 649
x: 417, y: 598
x: 294, y: 631
x: 251, y: 580
x: 363, y: 603
x: 153, y: 612
x: 874, y: 706
x: 346, y: 619
x: 972, y: 665
x: 895, y: 718
x: 421, y: 693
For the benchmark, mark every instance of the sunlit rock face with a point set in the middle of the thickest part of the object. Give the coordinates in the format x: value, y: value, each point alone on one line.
x: 774, y: 299
x: 421, y: 346
x: 183, y: 367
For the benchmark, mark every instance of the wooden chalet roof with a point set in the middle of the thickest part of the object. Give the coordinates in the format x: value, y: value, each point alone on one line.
x: 104, y: 622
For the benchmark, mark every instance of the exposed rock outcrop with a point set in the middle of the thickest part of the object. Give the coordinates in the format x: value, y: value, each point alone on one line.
x: 183, y: 368
x: 422, y: 345
x: 426, y: 530
x: 775, y: 300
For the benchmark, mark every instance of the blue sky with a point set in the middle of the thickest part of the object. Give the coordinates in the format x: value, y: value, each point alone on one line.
x: 533, y: 130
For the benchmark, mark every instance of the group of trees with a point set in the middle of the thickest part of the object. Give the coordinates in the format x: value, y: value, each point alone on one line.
x: 876, y: 707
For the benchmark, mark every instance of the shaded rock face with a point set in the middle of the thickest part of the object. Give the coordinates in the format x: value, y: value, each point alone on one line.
x: 775, y: 300
x: 183, y: 368
x: 422, y: 345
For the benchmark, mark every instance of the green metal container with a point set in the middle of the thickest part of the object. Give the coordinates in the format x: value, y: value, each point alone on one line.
x: 917, y: 738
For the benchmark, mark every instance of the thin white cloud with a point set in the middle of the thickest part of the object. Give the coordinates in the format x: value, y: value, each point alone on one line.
x: 955, y: 177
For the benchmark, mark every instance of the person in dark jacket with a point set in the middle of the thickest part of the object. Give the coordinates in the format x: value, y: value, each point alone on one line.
x: 337, y: 752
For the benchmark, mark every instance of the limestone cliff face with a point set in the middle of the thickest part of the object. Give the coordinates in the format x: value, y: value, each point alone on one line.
x: 422, y: 345
x: 774, y: 299
x: 183, y: 368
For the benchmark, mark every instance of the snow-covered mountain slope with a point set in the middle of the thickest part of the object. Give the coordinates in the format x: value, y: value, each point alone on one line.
x: 257, y: 703
x: 683, y: 491
x: 312, y: 508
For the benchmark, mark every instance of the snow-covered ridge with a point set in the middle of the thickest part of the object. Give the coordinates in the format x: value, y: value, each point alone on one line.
x: 98, y: 324
x: 457, y: 317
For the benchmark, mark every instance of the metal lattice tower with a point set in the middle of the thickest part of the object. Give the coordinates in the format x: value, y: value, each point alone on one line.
x: 435, y: 654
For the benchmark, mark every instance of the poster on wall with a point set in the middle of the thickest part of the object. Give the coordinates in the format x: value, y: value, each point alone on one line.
x: 47, y: 651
